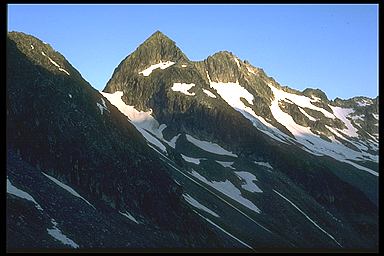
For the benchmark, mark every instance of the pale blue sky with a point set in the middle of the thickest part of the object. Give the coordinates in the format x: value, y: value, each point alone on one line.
x: 330, y: 47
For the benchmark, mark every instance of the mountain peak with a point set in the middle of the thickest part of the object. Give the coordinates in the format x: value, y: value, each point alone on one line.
x: 158, y: 34
x: 315, y: 92
x: 158, y: 38
x: 23, y: 38
x: 41, y: 53
x: 158, y: 47
x: 224, y: 54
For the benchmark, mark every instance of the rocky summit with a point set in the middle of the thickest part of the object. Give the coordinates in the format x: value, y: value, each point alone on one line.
x: 175, y: 153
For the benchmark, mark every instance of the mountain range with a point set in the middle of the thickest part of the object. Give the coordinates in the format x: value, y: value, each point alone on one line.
x: 174, y: 153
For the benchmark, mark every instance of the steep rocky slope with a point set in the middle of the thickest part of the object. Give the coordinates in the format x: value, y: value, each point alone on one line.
x: 185, y: 154
x: 58, y: 125
x: 228, y: 127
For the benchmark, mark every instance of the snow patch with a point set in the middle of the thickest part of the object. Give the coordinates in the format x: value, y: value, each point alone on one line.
x: 364, y: 102
x: 191, y: 159
x: 226, y: 164
x: 237, y: 62
x: 67, y: 188
x: 63, y: 70
x: 70, y: 95
x: 56, y: 233
x: 250, y: 70
x: 183, y: 66
x: 228, y: 189
x: 284, y: 118
x: 172, y: 142
x: 306, y: 114
x: 11, y: 189
x: 209, y: 146
x: 143, y: 121
x: 358, y: 117
x: 342, y: 113
x: 209, y: 78
x: 103, y: 102
x: 198, y: 205
x: 299, y: 100
x: 129, y: 216
x: 311, y: 142
x: 161, y: 65
x: 151, y: 139
x: 376, y: 116
x: 102, y: 106
x: 183, y: 88
x: 249, y: 179
x: 209, y: 93
x: 139, y: 118
x: 32, y: 47
x: 231, y: 93
x: 315, y: 98
x: 265, y: 164
x: 54, y: 63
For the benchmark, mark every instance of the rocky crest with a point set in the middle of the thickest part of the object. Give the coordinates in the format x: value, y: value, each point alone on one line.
x: 154, y: 91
